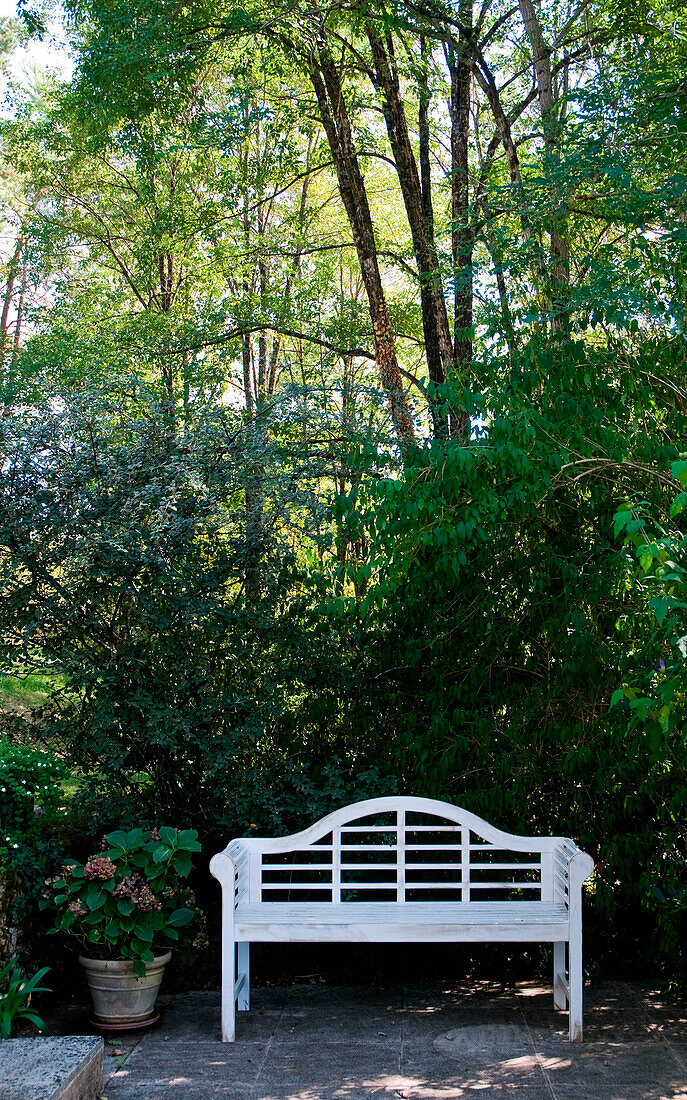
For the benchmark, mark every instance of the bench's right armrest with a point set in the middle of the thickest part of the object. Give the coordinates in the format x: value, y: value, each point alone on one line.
x: 571, y: 868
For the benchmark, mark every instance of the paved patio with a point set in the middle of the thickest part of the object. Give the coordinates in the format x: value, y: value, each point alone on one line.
x: 315, y: 1042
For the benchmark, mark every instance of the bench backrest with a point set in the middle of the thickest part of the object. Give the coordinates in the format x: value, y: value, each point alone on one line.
x: 403, y: 849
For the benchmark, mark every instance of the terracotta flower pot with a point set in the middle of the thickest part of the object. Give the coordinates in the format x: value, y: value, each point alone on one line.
x: 121, y: 1000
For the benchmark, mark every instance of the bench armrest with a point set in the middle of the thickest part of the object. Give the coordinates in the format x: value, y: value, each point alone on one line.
x: 571, y: 868
x: 231, y: 868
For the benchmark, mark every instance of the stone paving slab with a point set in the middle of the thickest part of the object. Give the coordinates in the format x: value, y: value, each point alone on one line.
x: 415, y: 1042
x: 41, y: 1068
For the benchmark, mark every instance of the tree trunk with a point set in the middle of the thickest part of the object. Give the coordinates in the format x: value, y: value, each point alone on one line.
x: 246, y: 356
x: 417, y: 201
x: 486, y: 81
x: 333, y: 112
x: 424, y: 137
x: 246, y: 341
x: 460, y: 69
x: 12, y: 272
x: 262, y: 337
x: 558, y: 228
x: 166, y: 269
x: 23, y: 287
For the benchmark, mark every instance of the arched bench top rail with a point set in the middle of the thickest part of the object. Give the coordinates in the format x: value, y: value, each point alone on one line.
x: 410, y: 804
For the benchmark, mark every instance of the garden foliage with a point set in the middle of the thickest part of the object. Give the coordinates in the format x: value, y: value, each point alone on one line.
x: 30, y: 796
x: 129, y: 574
x: 16, y: 992
x: 500, y: 613
x: 343, y: 381
x: 128, y: 901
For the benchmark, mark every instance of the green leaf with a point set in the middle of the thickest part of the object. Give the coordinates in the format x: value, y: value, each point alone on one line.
x: 678, y: 505
x: 620, y: 520
x: 182, y: 864
x: 36, y: 1019
x: 31, y: 985
x: 661, y: 605
x: 188, y: 838
x: 679, y: 471
x: 95, y: 897
x: 117, y: 839
x: 180, y: 917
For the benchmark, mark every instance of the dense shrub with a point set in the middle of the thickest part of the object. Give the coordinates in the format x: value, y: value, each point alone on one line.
x: 497, y: 614
x: 30, y: 793
x: 652, y: 702
x: 199, y: 684
x: 467, y: 644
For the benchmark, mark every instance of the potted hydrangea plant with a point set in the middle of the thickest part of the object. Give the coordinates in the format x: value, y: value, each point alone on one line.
x: 125, y: 907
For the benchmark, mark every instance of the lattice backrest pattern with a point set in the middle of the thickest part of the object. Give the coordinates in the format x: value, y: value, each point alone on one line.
x: 399, y: 850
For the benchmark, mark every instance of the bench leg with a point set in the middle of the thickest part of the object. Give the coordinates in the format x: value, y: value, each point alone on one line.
x: 228, y: 975
x: 244, y: 972
x: 560, y: 997
x: 575, y: 980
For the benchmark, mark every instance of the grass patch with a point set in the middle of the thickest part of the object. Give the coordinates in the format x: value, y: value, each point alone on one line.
x: 27, y: 691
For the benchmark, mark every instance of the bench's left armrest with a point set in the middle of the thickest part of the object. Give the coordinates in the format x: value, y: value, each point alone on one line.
x: 230, y: 868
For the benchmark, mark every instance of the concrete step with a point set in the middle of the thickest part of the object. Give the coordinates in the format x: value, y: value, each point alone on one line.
x: 61, y: 1068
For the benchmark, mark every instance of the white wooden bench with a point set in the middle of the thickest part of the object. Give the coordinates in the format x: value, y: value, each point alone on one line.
x: 396, y: 870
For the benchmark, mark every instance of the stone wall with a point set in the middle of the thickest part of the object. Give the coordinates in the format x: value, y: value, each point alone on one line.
x: 9, y: 933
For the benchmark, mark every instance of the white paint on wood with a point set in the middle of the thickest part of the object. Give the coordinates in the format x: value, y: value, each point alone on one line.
x: 465, y: 863
x: 243, y: 979
x: 335, y: 910
x: 560, y: 985
x: 400, y: 855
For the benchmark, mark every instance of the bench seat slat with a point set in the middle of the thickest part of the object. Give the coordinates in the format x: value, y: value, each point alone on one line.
x: 413, y: 921
x: 409, y: 911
